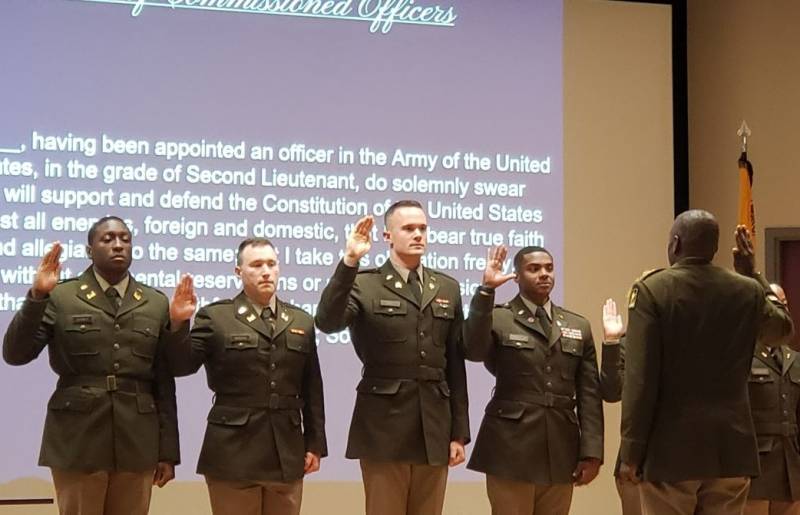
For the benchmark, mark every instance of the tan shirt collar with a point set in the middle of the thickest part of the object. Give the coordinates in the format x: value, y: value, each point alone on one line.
x: 548, y: 307
x: 258, y: 308
x: 121, y: 287
x: 403, y: 271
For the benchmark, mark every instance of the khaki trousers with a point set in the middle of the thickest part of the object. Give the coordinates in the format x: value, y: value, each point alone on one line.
x: 723, y: 496
x: 758, y: 507
x: 254, y: 497
x: 102, y: 492
x: 629, y: 497
x: 509, y: 497
x: 403, y: 488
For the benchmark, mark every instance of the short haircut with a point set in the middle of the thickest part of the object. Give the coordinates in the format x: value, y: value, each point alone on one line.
x: 97, y: 224
x: 251, y: 242
x: 528, y: 250
x: 397, y: 205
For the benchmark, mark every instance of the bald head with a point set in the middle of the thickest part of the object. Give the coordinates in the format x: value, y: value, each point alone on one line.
x: 694, y: 233
x: 778, y: 291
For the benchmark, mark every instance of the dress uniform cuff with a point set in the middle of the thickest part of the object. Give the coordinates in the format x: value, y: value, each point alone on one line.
x: 591, y: 446
x: 632, y: 451
x: 344, y: 273
x: 486, y: 291
x: 34, y: 308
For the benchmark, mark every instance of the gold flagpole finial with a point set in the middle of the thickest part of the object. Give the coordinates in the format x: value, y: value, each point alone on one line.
x: 744, y: 133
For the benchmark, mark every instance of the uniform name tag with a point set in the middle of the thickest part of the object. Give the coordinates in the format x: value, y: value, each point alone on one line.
x: 575, y: 334
x: 82, y: 319
x: 518, y: 337
x: 443, y: 302
x: 240, y: 338
x: 760, y: 371
x: 390, y: 303
x: 296, y: 331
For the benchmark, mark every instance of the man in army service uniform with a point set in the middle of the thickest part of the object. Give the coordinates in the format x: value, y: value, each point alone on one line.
x: 774, y: 388
x: 260, y: 355
x: 542, y: 431
x: 410, y: 419
x: 111, y: 430
x: 692, y: 329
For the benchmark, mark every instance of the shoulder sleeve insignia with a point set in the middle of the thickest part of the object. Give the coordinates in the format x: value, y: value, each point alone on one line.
x: 634, y: 293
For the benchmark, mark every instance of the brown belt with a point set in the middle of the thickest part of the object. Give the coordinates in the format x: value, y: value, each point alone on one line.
x: 411, y: 372
x: 267, y: 400
x: 110, y: 383
x: 548, y: 399
x: 776, y: 428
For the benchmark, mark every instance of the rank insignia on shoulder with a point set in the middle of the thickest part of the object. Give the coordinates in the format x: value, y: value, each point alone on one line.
x: 284, y: 316
x: 91, y: 295
x: 632, y: 296
x: 294, y: 330
x: 84, y: 287
x: 242, y: 310
x: 398, y: 284
x: 137, y: 294
x: 251, y: 317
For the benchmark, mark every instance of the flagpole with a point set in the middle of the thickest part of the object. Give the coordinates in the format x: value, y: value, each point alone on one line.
x: 743, y: 133
x: 746, y: 212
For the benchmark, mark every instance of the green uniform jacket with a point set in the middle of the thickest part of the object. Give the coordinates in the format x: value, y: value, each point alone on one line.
x: 114, y: 406
x: 774, y: 401
x: 261, y: 386
x: 692, y: 329
x: 612, y: 375
x: 412, y: 400
x: 546, y: 412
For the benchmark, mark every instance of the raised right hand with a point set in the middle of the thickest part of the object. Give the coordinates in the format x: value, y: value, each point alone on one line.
x: 744, y: 259
x: 47, y: 273
x: 613, y: 329
x: 493, y: 275
x: 184, y: 301
x: 360, y: 241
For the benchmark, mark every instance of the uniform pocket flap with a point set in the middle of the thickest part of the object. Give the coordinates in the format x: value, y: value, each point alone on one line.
x: 379, y: 386
x: 228, y: 416
x: 389, y: 307
x: 444, y: 388
x: 443, y: 310
x: 297, y: 343
x: 241, y: 342
x: 760, y: 375
x: 145, y: 349
x: 145, y: 403
x: 765, y: 443
x: 81, y: 324
x: 146, y: 327
x: 518, y: 341
x: 505, y: 409
x: 71, y: 401
x: 571, y: 346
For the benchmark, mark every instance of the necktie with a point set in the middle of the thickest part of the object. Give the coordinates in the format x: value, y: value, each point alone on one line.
x: 541, y: 315
x: 266, y: 316
x: 777, y: 355
x: 414, y: 284
x: 114, y: 298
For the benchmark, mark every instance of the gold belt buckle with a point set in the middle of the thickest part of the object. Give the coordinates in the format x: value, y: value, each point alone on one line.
x: 111, y: 383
